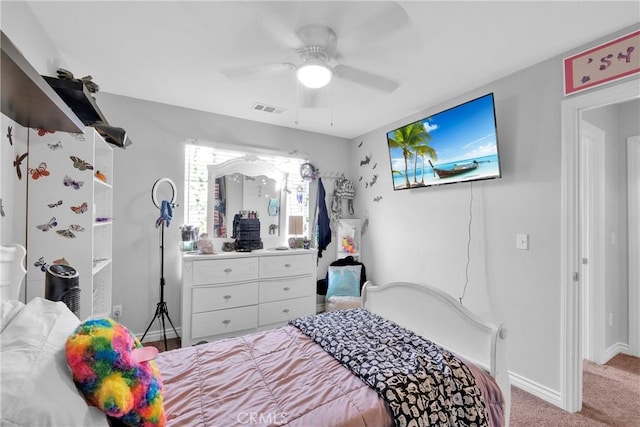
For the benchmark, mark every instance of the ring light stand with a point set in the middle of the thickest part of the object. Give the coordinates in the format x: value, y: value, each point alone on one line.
x: 161, y: 308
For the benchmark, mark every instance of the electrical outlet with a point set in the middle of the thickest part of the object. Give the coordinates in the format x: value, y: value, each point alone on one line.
x: 610, y: 319
x: 117, y: 312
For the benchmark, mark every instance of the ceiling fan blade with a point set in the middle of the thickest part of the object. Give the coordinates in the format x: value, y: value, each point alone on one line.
x: 365, y: 78
x: 250, y: 71
x: 274, y: 19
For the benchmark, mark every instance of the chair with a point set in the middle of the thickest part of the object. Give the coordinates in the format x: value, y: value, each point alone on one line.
x: 12, y: 270
x: 343, y: 287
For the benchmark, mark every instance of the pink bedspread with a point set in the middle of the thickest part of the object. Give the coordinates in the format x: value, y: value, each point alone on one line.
x: 276, y: 377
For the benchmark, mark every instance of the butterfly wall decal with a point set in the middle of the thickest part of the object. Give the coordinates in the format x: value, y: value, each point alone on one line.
x: 366, y: 160
x: 102, y: 177
x: 70, y: 182
x: 80, y: 209
x: 43, y: 132
x: 10, y: 135
x: 17, y: 162
x: 41, y: 263
x: 53, y: 205
x: 66, y: 233
x: 55, y: 146
x: 76, y: 227
x: 40, y: 170
x: 80, y: 164
x: 46, y: 227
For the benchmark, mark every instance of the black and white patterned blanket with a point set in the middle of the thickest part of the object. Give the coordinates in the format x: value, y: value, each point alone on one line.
x: 423, y: 384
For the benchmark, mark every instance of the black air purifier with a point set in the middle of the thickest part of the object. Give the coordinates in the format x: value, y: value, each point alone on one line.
x: 62, y: 284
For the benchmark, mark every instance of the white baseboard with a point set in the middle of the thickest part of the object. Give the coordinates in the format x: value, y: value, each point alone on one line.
x: 618, y: 347
x: 538, y: 390
x: 159, y: 336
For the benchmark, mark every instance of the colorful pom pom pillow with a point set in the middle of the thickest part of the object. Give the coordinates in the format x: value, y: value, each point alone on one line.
x: 115, y: 373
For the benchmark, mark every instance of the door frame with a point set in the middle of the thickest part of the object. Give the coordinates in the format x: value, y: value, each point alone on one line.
x: 570, y: 296
x: 633, y: 218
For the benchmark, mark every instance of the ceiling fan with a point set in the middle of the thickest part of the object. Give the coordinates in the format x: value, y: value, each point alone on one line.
x: 319, y: 63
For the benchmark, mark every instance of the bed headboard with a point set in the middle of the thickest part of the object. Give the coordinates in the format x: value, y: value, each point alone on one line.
x: 438, y: 317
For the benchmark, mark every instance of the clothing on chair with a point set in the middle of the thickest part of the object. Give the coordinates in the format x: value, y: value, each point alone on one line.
x: 323, y: 285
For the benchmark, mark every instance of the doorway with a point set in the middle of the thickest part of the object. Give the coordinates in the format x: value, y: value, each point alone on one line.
x: 571, y: 291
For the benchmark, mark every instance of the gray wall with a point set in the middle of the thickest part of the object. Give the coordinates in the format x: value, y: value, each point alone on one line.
x: 158, y: 132
x: 428, y: 227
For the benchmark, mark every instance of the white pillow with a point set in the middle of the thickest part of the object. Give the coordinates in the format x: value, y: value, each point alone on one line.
x: 36, y: 386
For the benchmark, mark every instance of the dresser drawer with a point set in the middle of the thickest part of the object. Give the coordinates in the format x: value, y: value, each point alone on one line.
x: 287, y: 288
x: 283, y: 311
x: 209, y: 298
x: 214, y: 271
x: 223, y: 321
x: 286, y: 265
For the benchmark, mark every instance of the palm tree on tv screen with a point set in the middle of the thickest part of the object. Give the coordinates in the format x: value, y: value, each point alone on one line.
x: 422, y: 151
x: 407, y: 138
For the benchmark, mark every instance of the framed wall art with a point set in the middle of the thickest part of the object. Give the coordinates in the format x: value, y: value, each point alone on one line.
x: 602, y: 64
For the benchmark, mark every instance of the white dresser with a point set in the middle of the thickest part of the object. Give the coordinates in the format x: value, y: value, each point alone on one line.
x: 234, y: 293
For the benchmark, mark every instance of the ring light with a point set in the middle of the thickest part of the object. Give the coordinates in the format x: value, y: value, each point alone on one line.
x: 154, y: 191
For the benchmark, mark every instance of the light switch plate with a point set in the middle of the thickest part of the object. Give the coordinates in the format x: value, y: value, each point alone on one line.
x: 522, y: 241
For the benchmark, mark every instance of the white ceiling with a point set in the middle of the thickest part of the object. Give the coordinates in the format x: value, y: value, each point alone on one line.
x: 175, y: 52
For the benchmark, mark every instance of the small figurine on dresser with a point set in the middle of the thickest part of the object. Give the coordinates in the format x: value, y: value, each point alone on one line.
x: 205, y: 244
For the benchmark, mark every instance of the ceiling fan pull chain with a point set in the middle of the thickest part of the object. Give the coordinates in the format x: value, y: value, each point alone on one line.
x: 331, y: 107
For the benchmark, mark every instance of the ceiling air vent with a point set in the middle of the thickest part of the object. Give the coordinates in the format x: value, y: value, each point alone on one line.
x: 259, y: 106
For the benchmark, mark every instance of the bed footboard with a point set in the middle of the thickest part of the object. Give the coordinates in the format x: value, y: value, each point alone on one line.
x: 437, y: 316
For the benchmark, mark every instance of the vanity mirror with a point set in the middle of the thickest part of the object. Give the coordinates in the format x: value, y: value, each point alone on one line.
x: 249, y: 185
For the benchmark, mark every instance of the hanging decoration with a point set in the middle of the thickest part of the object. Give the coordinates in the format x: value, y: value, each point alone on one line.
x: 300, y: 194
x: 308, y: 172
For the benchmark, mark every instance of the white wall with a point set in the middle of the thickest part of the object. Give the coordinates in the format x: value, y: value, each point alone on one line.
x: 421, y: 234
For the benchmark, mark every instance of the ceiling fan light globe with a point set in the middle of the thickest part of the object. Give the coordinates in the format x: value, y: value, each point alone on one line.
x: 314, y: 74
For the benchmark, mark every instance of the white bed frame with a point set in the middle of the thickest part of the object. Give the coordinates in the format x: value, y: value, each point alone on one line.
x: 438, y: 317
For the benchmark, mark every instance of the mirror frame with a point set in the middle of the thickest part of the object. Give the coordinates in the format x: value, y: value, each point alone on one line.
x: 248, y: 165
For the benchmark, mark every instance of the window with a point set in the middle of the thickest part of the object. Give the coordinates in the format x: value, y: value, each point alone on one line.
x: 195, y: 170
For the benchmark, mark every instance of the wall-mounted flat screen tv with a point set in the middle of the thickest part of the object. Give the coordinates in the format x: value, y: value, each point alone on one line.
x: 455, y: 145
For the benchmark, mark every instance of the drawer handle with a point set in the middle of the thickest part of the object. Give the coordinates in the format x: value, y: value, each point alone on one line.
x: 286, y: 288
x: 226, y: 322
x: 228, y: 270
x: 286, y: 310
x: 287, y: 265
x: 227, y: 297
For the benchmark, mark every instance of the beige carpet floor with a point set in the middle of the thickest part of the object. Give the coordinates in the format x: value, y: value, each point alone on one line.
x: 611, y: 397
